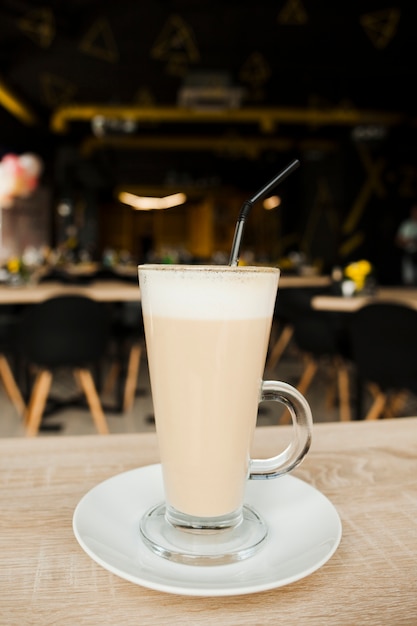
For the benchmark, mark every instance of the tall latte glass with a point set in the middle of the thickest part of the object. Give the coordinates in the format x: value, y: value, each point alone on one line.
x: 207, y: 330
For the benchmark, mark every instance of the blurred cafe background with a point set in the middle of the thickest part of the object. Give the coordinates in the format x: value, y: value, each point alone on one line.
x: 132, y: 132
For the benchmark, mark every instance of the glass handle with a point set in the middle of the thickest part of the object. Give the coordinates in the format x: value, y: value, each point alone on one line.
x: 288, y: 459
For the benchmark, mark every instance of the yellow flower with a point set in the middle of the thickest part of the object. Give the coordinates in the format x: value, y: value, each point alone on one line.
x: 13, y: 265
x: 358, y: 272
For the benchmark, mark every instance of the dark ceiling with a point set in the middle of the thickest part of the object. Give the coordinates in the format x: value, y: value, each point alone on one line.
x: 342, y: 60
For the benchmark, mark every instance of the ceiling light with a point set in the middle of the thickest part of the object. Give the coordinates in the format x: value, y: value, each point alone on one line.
x: 143, y: 203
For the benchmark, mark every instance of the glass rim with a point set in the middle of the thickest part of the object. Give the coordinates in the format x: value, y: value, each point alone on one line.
x: 208, y: 268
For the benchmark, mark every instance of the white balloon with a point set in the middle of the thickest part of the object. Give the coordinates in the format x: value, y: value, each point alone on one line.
x: 31, y: 164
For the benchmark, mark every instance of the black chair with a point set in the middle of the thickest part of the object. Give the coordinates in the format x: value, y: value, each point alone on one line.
x: 126, y: 343
x: 318, y: 336
x: 64, y: 332
x: 281, y: 325
x: 290, y: 302
x: 384, y: 351
x: 127, y: 340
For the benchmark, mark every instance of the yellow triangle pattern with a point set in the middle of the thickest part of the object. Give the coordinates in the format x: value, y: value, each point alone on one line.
x: 407, y: 183
x: 176, y: 42
x: 255, y: 71
x: 39, y: 26
x: 381, y: 26
x: 316, y: 101
x: 351, y: 244
x: 322, y: 201
x: 56, y: 90
x: 99, y: 42
x: 293, y: 14
x: 144, y: 97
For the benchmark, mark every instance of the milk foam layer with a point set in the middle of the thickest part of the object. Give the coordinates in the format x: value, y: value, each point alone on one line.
x: 210, y: 292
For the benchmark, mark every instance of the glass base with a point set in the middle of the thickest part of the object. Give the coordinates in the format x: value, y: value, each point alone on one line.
x: 197, y: 545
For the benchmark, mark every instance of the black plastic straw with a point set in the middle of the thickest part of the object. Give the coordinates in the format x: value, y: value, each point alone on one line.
x: 247, y: 205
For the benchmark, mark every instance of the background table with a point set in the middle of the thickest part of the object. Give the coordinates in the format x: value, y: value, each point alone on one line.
x: 368, y: 470
x: 402, y: 295
x: 101, y: 290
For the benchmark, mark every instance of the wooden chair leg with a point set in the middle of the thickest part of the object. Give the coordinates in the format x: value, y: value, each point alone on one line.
x: 132, y: 377
x: 303, y: 385
x: 397, y: 403
x: 37, y: 402
x: 344, y: 394
x: 87, y: 383
x: 276, y: 328
x: 378, y: 404
x: 10, y: 386
x: 308, y: 375
x: 280, y: 346
x: 331, y: 392
x: 111, y: 378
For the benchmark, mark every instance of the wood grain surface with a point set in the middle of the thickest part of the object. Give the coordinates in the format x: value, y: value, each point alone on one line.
x: 368, y: 471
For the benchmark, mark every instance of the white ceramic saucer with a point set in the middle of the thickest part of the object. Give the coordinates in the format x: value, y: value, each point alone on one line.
x: 304, y: 532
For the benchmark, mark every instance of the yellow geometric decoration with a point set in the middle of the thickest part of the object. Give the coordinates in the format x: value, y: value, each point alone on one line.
x: 316, y: 101
x: 381, y: 26
x: 255, y: 72
x: 293, y: 13
x: 176, y: 45
x: 321, y: 212
x: 407, y: 185
x: 14, y: 105
x: 351, y: 244
x: 346, y: 104
x: 99, y: 42
x: 39, y: 26
x: 373, y: 183
x: 56, y: 90
x: 144, y: 97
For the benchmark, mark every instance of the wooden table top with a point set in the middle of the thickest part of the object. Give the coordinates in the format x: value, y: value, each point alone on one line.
x: 288, y: 281
x: 405, y: 295
x: 367, y: 469
x: 100, y: 290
